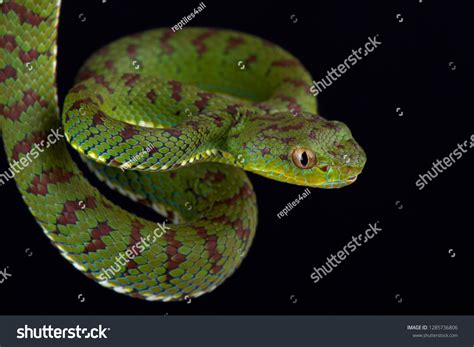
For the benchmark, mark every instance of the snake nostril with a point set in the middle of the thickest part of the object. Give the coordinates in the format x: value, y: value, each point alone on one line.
x: 324, y: 168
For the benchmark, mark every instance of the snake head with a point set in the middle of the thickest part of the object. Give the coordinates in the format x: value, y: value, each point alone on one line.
x: 306, y: 149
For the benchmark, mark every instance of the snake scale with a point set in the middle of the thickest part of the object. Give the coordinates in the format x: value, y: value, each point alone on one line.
x: 172, y: 120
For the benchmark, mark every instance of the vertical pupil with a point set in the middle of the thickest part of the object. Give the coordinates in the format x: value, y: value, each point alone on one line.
x: 304, y: 159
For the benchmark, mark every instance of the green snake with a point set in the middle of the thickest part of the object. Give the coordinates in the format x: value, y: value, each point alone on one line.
x: 171, y: 120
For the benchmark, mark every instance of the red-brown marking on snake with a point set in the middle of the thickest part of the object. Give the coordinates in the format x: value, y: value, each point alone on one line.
x: 8, y: 42
x: 151, y: 95
x: 234, y: 42
x: 99, y: 79
x: 286, y: 63
x: 30, y: 98
x: 202, y: 103
x: 130, y: 78
x: 23, y: 13
x: 102, y: 229
x: 199, y: 41
x: 164, y: 44
x: 176, y: 87
x: 172, y: 251
x: 135, y: 238
x: 211, y: 247
x: 128, y: 131
x: 25, y: 146
x: 7, y: 72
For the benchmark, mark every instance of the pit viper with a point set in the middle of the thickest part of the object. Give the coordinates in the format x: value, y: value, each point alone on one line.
x: 172, y: 120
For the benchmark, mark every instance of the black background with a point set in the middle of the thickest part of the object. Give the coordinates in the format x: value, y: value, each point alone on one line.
x: 410, y: 257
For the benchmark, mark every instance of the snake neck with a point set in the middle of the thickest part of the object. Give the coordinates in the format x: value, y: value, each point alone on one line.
x: 93, y: 118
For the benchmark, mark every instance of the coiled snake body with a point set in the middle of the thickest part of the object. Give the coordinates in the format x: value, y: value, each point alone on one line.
x: 172, y: 120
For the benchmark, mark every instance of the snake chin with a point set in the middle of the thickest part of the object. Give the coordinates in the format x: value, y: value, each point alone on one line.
x: 338, y: 184
x: 330, y: 180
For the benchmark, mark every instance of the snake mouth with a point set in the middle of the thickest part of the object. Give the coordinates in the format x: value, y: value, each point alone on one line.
x: 320, y: 182
x: 339, y: 184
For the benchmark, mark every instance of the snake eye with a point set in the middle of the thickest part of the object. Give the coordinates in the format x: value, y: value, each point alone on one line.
x: 303, y: 158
